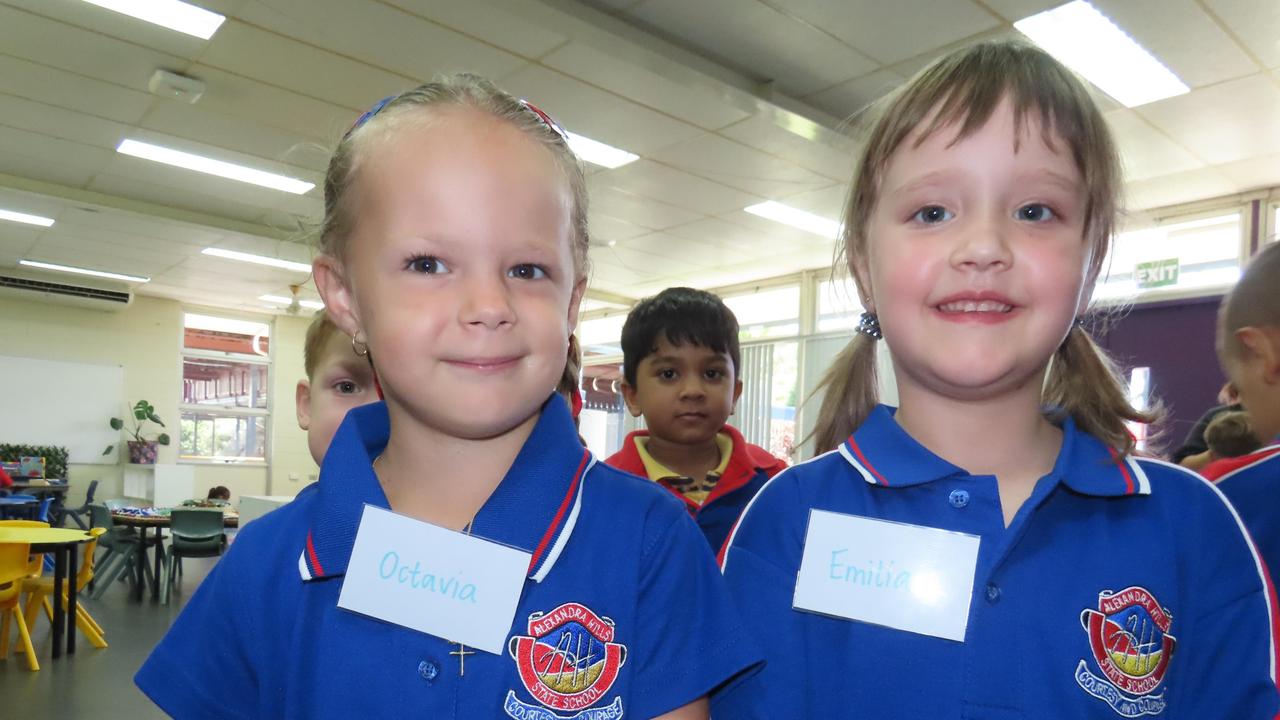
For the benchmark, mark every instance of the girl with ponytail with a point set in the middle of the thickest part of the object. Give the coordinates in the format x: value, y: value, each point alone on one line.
x: 998, y: 515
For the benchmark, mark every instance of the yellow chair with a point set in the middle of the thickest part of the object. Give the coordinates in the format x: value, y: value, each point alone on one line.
x: 39, y: 589
x: 35, y: 563
x: 13, y: 569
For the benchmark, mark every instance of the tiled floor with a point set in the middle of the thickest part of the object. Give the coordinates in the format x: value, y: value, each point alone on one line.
x: 96, y: 683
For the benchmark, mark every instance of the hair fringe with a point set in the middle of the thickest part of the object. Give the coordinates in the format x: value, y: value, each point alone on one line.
x: 1083, y: 382
x: 851, y: 394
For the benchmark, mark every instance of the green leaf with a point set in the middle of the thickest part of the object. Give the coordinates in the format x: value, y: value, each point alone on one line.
x: 155, y: 419
x: 139, y: 414
x: 163, y: 439
x: 109, y: 448
x: 116, y: 423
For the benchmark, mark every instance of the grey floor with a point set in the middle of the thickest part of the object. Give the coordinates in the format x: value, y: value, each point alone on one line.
x: 96, y: 683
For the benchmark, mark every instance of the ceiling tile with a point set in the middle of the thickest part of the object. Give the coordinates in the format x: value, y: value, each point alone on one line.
x: 117, y: 25
x: 637, y: 210
x: 660, y: 182
x: 854, y: 96
x: 605, y: 228
x: 1146, y: 151
x: 49, y: 85
x: 278, y: 60
x: 488, y: 23
x: 81, y: 51
x: 1183, y: 37
x: 690, y: 96
x: 758, y: 40
x: 383, y: 36
x: 1254, y: 173
x: 731, y: 163
x: 1177, y: 188
x: 197, y: 124
x: 245, y: 99
x: 1256, y: 23
x: 61, y: 123
x: 50, y: 159
x: 600, y: 115
x: 1015, y: 10
x: 829, y: 154
x: 161, y: 192
x: 890, y: 32
x: 1223, y: 123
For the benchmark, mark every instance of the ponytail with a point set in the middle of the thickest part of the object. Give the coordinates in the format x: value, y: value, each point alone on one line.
x: 850, y: 385
x: 1084, y: 383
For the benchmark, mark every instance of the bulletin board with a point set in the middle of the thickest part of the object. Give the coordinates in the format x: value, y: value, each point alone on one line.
x: 49, y: 402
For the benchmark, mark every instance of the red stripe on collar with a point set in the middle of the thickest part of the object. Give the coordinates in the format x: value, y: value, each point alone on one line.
x: 564, y: 506
x: 1124, y: 470
x: 316, y: 569
x: 853, y: 445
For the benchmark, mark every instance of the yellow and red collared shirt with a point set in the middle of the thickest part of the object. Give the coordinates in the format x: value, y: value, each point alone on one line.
x: 694, y: 489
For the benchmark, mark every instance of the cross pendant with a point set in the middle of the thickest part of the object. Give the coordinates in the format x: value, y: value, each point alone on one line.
x: 462, y: 652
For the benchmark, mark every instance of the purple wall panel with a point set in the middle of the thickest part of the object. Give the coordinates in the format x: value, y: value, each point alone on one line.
x: 1175, y: 339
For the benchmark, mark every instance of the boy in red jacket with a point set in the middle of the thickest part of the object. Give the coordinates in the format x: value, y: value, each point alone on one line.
x: 680, y: 367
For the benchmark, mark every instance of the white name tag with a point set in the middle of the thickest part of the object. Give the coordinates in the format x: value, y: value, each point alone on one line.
x: 908, y: 577
x: 444, y: 583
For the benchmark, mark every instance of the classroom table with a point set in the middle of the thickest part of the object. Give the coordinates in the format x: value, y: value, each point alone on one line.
x: 159, y: 522
x: 62, y: 544
x: 41, y: 488
x: 11, y: 505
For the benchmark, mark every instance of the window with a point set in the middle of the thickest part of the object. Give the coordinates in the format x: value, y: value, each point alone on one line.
x: 1185, y: 255
x: 838, y: 305
x: 226, y: 404
x: 768, y: 313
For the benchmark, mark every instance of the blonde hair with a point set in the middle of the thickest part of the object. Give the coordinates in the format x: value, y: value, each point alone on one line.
x: 1253, y: 302
x: 416, y: 105
x: 318, y: 333
x: 965, y: 88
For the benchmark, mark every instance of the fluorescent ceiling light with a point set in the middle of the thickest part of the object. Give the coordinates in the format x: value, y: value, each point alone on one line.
x: 175, y: 15
x: 597, y: 153
x: 796, y: 218
x: 209, y: 166
x: 84, y: 271
x: 25, y: 218
x: 258, y: 259
x: 282, y: 300
x: 222, y: 324
x: 1088, y: 42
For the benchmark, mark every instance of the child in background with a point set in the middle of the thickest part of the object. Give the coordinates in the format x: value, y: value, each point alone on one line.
x: 680, y: 363
x: 219, y: 492
x: 337, y: 380
x: 1229, y: 437
x: 454, y: 252
x: 1249, y: 349
x: 991, y: 548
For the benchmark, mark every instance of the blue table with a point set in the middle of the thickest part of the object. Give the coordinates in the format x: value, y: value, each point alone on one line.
x: 13, y: 507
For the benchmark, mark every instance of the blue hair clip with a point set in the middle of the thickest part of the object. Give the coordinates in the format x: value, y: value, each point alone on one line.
x: 364, y: 118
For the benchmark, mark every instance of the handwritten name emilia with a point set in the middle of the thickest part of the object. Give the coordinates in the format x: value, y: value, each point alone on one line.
x: 874, y: 575
x: 391, y: 570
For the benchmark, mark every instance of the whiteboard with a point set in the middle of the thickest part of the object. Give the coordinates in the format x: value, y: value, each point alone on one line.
x: 49, y: 402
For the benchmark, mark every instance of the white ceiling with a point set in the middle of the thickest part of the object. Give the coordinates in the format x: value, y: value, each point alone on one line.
x: 729, y: 102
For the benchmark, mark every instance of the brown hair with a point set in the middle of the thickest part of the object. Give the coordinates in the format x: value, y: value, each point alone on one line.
x: 417, y: 105
x: 318, y: 333
x: 572, y: 369
x: 1253, y: 302
x: 1230, y: 434
x: 964, y: 89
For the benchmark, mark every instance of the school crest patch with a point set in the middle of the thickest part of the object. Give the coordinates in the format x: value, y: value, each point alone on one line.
x: 567, y: 662
x: 1131, y: 646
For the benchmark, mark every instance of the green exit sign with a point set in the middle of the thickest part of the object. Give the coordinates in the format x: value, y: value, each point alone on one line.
x: 1157, y: 273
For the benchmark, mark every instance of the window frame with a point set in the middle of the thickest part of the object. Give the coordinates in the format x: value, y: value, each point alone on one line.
x: 223, y: 411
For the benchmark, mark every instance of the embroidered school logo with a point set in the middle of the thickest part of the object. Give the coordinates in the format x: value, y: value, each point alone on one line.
x: 1131, y: 645
x: 567, y: 662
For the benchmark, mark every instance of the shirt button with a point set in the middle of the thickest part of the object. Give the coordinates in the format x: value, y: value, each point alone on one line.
x: 993, y: 593
x: 959, y: 498
x: 428, y: 670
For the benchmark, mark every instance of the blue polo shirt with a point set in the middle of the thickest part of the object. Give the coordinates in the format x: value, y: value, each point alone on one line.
x: 1254, y: 489
x: 623, y: 613
x: 1131, y: 544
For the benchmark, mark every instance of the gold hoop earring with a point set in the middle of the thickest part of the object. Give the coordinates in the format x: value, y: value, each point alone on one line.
x: 359, y: 348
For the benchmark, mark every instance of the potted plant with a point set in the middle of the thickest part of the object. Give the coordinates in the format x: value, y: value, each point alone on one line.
x: 141, y: 450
